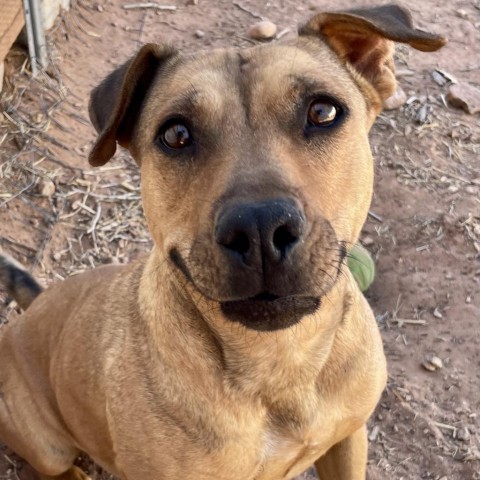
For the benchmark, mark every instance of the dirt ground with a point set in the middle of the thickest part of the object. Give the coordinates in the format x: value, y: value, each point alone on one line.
x: 60, y: 217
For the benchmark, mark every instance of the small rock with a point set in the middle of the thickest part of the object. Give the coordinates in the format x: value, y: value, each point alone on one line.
x: 45, y: 187
x: 397, y: 100
x: 432, y: 363
x: 462, y: 13
x: 468, y: 299
x: 367, y: 241
x: 422, y: 114
x: 99, y: 8
x: 264, y: 30
x: 471, y: 190
x: 192, y: 2
x: 372, y: 436
x: 199, y: 33
x: 437, y: 313
x: 465, y: 96
x: 463, y: 434
x: 439, y: 78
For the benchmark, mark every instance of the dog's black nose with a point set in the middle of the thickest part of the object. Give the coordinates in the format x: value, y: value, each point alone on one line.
x: 260, y: 232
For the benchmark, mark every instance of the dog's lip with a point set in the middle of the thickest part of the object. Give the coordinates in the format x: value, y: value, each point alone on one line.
x: 268, y: 312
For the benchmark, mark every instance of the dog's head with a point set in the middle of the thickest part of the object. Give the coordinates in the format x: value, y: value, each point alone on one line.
x: 256, y: 167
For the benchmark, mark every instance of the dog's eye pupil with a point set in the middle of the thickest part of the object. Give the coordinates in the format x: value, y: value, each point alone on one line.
x: 322, y: 113
x: 177, y: 136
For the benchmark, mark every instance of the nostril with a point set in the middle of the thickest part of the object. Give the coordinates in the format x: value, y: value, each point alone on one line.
x: 283, y: 239
x: 240, y: 243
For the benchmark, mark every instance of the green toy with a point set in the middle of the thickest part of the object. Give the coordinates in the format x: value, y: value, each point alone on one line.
x: 362, y: 266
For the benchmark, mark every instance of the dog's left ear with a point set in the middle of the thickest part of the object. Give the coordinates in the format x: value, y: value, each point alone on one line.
x: 364, y: 39
x: 116, y: 103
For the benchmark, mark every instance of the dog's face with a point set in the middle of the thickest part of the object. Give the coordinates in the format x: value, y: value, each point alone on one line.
x: 256, y: 168
x: 256, y: 175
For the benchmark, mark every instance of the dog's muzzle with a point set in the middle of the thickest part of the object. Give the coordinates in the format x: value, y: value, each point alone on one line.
x: 262, y: 236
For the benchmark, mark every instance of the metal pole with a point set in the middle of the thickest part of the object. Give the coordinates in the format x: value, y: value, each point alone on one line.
x: 39, y: 33
x: 37, y: 45
x: 30, y: 37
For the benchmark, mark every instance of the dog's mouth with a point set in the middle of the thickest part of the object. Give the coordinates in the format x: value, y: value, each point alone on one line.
x: 268, y: 312
x: 264, y: 311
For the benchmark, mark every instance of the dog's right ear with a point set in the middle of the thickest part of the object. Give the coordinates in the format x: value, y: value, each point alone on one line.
x: 363, y: 38
x: 116, y: 103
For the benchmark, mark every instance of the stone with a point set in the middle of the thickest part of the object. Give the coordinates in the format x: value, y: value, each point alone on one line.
x: 432, y: 363
x: 263, y: 30
x: 199, y: 33
x: 397, y: 100
x: 45, y: 187
x: 464, y: 96
x: 463, y: 434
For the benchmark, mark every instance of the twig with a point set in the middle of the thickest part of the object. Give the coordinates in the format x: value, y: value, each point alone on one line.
x: 409, y: 321
x: 452, y: 175
x: 376, y: 217
x: 95, y: 220
x: 156, y: 6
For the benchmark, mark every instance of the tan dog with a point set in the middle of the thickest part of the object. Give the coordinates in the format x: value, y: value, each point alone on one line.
x: 241, y: 348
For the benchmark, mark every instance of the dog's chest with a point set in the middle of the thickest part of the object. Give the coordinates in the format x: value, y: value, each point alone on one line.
x: 285, y: 456
x: 289, y: 449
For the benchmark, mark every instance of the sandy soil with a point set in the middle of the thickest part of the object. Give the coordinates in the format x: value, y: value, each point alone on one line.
x: 427, y: 243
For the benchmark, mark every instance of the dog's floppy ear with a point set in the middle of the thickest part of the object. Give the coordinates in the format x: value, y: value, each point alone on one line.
x: 364, y: 39
x: 116, y: 103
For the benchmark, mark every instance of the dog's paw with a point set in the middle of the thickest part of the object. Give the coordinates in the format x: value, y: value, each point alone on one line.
x: 73, y: 473
x: 76, y: 474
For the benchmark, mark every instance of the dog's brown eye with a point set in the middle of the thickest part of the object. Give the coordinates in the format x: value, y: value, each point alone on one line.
x: 176, y: 136
x: 322, y: 113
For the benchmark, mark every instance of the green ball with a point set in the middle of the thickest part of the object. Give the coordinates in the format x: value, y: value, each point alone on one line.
x: 362, y: 266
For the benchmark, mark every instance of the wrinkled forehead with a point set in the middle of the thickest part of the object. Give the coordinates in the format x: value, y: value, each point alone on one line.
x: 256, y: 78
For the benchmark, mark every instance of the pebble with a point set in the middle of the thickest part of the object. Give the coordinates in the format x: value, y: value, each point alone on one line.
x: 264, y: 30
x: 45, y: 187
x: 439, y: 78
x: 463, y: 434
x: 465, y: 96
x: 199, y: 33
x: 437, y: 313
x: 374, y: 433
x: 367, y: 241
x: 432, y: 363
x: 397, y: 100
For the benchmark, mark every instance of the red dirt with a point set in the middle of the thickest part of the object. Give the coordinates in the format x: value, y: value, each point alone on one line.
x: 427, y: 247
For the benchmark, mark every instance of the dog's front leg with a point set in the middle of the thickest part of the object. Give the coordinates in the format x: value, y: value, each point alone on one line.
x: 347, y: 460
